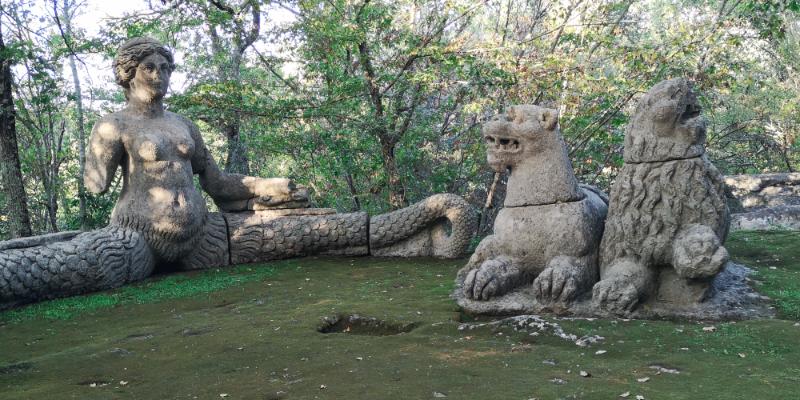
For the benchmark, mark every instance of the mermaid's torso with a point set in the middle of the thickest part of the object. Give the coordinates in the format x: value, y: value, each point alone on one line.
x: 158, y: 197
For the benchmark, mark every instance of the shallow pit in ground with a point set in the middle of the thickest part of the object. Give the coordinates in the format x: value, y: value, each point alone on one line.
x: 355, y: 324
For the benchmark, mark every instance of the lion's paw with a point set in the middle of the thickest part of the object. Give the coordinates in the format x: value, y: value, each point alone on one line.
x: 558, y: 283
x: 493, y: 278
x: 615, y: 295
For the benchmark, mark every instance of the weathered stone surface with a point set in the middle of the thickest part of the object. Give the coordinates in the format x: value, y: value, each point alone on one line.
x: 768, y: 201
x: 161, y: 151
x: 527, y: 140
x: 38, y: 240
x: 697, y: 253
x: 161, y: 217
x: 727, y: 296
x: 212, y: 249
x: 547, y: 236
x: 778, y: 217
x: 666, y: 125
x: 765, y: 190
x: 256, y: 238
x: 274, y: 213
x: 668, y: 206
x: 102, y: 259
x: 439, y: 226
x: 677, y: 291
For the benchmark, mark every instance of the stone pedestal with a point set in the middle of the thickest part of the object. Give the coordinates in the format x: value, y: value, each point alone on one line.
x: 677, y: 291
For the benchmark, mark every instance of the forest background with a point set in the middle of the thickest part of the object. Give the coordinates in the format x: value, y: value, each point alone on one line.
x: 376, y: 104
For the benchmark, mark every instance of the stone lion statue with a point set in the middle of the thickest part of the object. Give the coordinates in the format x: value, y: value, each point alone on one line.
x: 548, y: 232
x: 668, y: 217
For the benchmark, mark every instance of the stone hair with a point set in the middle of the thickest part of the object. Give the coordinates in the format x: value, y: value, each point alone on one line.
x: 132, y: 52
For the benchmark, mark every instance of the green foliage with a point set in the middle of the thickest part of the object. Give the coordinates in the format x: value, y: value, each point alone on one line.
x: 769, y: 16
x: 361, y: 100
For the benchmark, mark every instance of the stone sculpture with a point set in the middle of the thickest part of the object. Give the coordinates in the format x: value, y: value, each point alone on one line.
x: 661, y: 244
x: 668, y: 217
x: 546, y: 238
x: 764, y: 201
x: 161, y: 218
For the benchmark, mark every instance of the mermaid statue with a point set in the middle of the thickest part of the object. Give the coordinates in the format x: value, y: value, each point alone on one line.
x: 161, y: 218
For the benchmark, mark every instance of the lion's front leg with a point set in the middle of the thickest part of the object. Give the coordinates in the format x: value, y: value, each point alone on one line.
x: 564, y: 279
x: 487, y: 248
x: 624, y: 284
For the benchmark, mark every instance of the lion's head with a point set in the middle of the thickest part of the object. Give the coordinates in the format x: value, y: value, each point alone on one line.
x: 521, y: 133
x: 667, y: 125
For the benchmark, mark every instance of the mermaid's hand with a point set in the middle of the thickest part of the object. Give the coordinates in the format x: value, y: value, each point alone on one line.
x: 278, y: 193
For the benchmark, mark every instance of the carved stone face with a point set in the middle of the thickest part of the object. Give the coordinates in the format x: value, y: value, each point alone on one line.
x: 667, y: 125
x: 675, y: 112
x: 521, y: 133
x: 151, y: 80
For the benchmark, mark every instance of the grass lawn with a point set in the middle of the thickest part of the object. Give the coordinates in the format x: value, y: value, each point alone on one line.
x: 252, y: 332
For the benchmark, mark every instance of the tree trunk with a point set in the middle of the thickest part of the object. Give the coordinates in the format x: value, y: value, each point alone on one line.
x: 19, y: 220
x: 353, y: 192
x: 397, y: 193
x: 237, y: 161
x: 52, y: 209
x: 237, y: 152
x: 243, y: 37
x: 81, y: 128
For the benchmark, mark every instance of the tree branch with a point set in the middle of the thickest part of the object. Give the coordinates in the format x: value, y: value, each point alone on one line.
x: 223, y: 7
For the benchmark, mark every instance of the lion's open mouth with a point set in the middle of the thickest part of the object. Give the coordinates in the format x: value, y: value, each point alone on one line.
x: 690, y: 111
x: 497, y: 143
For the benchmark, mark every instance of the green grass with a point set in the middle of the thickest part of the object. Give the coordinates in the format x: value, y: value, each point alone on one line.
x: 251, y: 332
x: 153, y: 290
x: 775, y: 255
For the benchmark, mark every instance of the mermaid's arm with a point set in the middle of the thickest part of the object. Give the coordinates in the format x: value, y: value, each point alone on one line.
x: 103, y: 155
x: 236, y: 192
